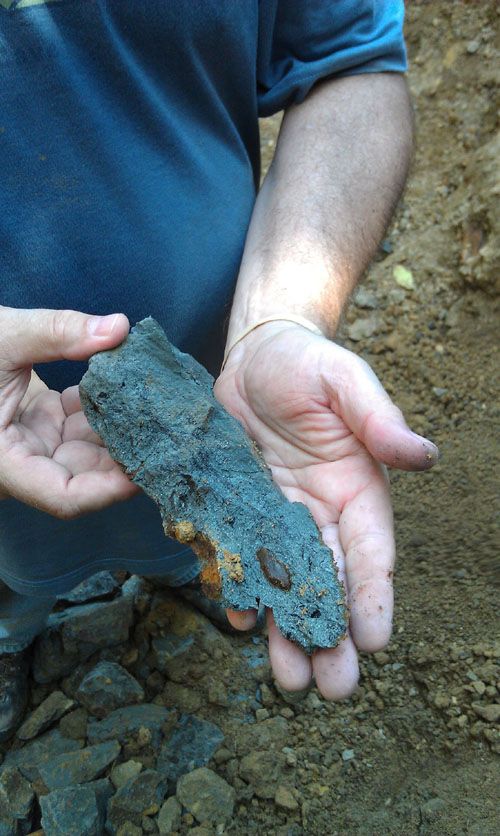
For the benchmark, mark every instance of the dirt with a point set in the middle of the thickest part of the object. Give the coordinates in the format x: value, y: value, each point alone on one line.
x: 414, y: 751
x: 424, y: 757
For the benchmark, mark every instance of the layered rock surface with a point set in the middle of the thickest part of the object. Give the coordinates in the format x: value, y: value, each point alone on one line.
x: 154, y: 408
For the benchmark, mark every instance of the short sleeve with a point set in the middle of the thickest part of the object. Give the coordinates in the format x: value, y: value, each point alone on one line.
x: 303, y: 41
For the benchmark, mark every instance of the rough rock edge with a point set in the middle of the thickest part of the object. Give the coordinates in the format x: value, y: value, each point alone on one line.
x: 154, y: 408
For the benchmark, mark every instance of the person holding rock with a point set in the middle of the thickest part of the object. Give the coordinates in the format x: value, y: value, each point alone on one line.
x: 130, y: 169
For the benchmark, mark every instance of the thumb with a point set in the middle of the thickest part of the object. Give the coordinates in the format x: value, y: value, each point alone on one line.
x: 358, y: 396
x: 40, y: 335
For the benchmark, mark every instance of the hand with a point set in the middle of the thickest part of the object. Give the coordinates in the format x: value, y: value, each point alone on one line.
x: 49, y: 456
x: 325, y: 427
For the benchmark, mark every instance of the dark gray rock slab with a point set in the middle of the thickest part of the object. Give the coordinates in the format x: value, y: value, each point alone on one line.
x: 79, y: 767
x: 207, y: 796
x: 106, y: 687
x: 73, y: 811
x: 76, y: 633
x: 169, y: 647
x: 141, y: 795
x: 97, y: 586
x: 45, y: 715
x: 125, y: 722
x: 191, y: 745
x: 16, y: 801
x: 37, y: 752
x: 154, y: 408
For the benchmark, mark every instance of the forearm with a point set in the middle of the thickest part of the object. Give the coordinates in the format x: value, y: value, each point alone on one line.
x: 340, y: 165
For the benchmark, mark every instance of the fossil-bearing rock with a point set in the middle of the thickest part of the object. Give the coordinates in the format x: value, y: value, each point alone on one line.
x: 155, y: 410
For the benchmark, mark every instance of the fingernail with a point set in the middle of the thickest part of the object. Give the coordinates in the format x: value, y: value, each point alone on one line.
x: 101, y: 326
x: 431, y: 451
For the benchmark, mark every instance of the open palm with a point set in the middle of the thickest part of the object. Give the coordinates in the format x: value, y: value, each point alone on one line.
x: 49, y: 457
x: 324, y: 424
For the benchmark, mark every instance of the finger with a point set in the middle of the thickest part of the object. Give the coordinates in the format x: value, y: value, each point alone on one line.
x: 367, y: 537
x: 336, y: 670
x: 50, y: 487
x: 291, y: 667
x: 358, y: 396
x: 244, y: 620
x: 70, y: 399
x: 40, y: 335
x: 77, y: 428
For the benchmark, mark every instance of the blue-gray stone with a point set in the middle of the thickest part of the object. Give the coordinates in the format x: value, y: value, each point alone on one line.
x: 73, y: 811
x: 168, y: 647
x: 79, y: 767
x: 124, y: 722
x: 106, y: 687
x: 16, y: 801
x: 97, y: 586
x: 76, y: 633
x: 192, y: 744
x: 140, y: 794
x: 154, y: 408
x: 38, y: 752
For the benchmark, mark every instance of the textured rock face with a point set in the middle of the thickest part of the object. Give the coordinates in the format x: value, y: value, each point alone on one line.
x: 154, y: 408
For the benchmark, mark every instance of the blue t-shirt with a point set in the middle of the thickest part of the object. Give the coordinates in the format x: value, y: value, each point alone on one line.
x: 129, y: 146
x: 129, y: 161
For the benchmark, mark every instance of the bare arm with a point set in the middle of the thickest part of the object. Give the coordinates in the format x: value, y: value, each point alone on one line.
x: 340, y: 165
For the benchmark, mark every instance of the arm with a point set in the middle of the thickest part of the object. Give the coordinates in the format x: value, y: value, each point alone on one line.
x: 340, y: 165
x: 322, y: 419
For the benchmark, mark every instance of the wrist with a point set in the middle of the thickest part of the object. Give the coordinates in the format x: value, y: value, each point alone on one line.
x: 252, y: 337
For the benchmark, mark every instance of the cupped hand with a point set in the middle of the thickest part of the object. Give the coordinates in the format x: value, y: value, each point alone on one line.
x: 326, y: 428
x: 49, y: 456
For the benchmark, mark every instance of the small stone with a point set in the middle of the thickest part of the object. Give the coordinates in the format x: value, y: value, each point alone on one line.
x: 365, y: 299
x: 432, y: 808
x: 261, y: 714
x: 169, y: 647
x: 106, y: 687
x: 74, y: 724
x: 169, y: 818
x: 472, y: 47
x: 348, y: 755
x: 267, y: 697
x: 362, y: 328
x: 72, y: 811
x: 441, y: 700
x: 123, y: 723
x: 47, y: 713
x: 138, y: 797
x: 270, y: 734
x: 77, y: 633
x: 148, y: 825
x: 284, y: 798
x: 192, y: 744
x: 97, y: 586
x: 16, y: 796
x: 479, y: 687
x: 123, y: 772
x: 178, y: 696
x: 263, y: 771
x: 78, y: 767
x: 206, y: 795
x: 129, y: 829
x: 217, y: 693
x: 37, y: 752
x: 381, y: 658
x: 490, y: 713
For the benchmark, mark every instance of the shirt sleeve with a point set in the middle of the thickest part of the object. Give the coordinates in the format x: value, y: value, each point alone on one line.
x: 303, y: 41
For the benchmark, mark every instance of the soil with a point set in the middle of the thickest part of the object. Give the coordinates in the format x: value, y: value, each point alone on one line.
x: 415, y: 750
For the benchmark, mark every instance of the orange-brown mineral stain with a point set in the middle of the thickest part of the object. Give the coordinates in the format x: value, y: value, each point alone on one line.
x: 274, y: 570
